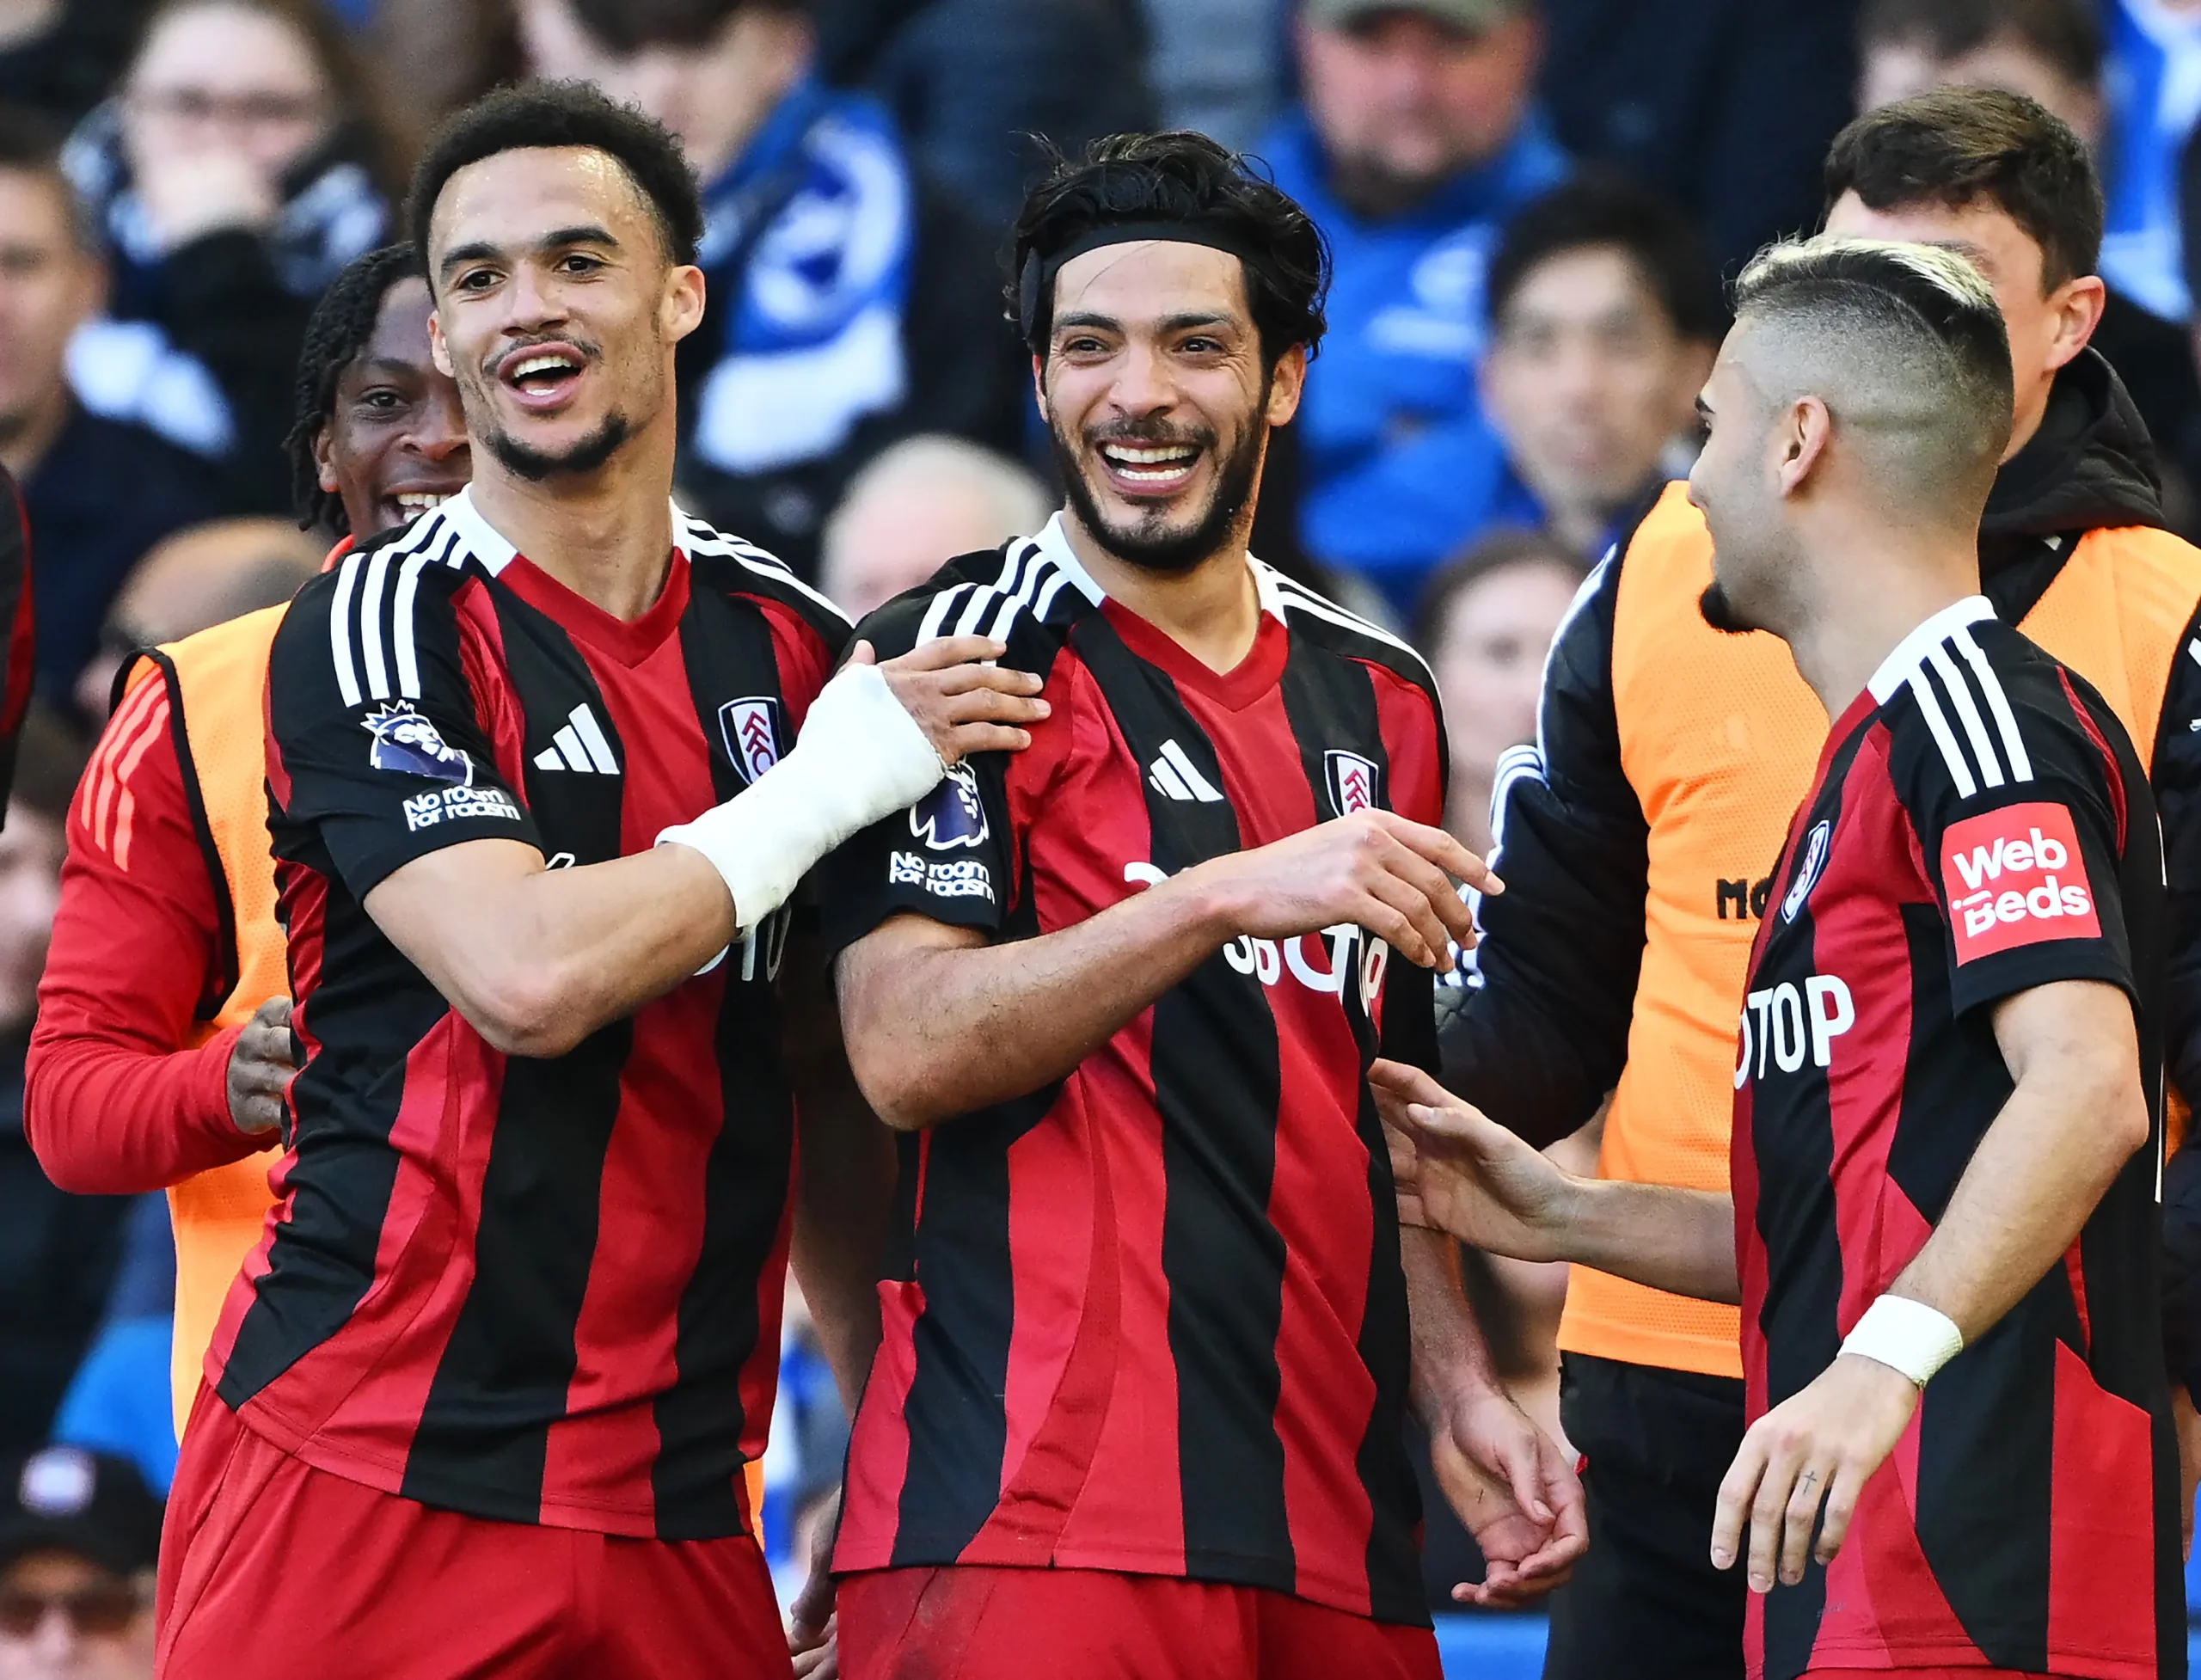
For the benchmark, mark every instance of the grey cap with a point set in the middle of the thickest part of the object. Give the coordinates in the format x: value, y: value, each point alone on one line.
x: 1469, y: 17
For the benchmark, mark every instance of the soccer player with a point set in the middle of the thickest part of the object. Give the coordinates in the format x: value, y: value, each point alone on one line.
x: 1636, y: 836
x: 163, y: 1042
x: 544, y: 768
x: 1154, y: 1338
x: 1946, y: 1121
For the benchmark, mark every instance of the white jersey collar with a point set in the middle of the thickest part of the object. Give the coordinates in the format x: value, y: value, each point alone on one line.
x: 1053, y: 541
x: 1896, y: 669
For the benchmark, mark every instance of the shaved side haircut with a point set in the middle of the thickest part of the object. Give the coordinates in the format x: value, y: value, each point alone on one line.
x: 1905, y: 346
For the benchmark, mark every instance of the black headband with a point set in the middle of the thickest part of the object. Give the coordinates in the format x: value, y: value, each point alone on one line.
x: 1037, y: 279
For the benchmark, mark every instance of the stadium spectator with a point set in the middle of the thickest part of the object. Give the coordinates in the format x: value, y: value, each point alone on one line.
x: 239, y: 167
x: 200, y: 577
x: 1417, y: 138
x: 57, y: 1252
x: 2051, y: 52
x: 848, y: 304
x: 78, y: 1536
x: 1726, y: 106
x: 161, y: 1015
x: 1486, y: 622
x: 71, y: 462
x: 968, y: 80
x: 1605, y: 313
x: 2154, y: 52
x: 921, y: 502
x: 1670, y: 761
x: 60, y: 57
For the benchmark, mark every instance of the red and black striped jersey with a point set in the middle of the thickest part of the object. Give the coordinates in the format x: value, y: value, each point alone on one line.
x: 545, y: 1290
x: 1980, y: 826
x: 1151, y: 1318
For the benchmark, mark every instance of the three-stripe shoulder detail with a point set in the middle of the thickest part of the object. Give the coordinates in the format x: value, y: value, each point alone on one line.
x: 1296, y: 598
x: 378, y: 586
x: 1028, y: 583
x: 1967, y: 711
x: 697, y: 539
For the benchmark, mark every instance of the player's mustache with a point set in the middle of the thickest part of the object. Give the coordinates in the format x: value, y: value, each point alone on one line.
x: 590, y: 350
x: 1150, y: 434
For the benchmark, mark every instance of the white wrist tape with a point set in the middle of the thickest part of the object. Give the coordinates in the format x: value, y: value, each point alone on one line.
x: 860, y: 758
x: 1907, y: 1335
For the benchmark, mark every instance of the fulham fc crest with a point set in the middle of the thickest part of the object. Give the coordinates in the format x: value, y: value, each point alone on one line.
x: 1353, y: 783
x: 752, y: 732
x: 1807, y: 872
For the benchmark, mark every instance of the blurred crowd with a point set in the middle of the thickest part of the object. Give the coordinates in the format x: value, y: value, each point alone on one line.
x: 1531, y: 206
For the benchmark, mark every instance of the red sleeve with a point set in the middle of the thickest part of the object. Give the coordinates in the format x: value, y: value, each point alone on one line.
x: 114, y: 1105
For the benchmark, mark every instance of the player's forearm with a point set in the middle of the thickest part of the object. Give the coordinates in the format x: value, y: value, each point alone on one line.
x: 1660, y: 1235
x: 1448, y: 1344
x: 111, y: 1118
x: 2060, y: 1141
x: 944, y: 1030
x: 535, y: 959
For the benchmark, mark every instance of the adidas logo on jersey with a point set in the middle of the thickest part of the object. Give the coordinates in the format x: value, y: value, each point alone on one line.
x: 578, y: 745
x: 1173, y: 775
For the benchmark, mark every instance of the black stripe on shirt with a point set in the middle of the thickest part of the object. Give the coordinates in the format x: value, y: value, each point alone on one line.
x: 508, y: 1365
x: 1217, y: 1086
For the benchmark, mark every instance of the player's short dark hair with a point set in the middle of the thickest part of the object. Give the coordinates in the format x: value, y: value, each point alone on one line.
x: 2065, y: 33
x: 564, y: 113
x: 1917, y: 316
x: 1493, y: 552
x: 30, y: 144
x: 1601, y: 212
x: 624, y: 26
x: 1167, y: 181
x: 1957, y: 146
x: 341, y: 323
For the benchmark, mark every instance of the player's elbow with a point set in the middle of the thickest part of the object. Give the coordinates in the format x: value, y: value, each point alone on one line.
x: 522, y: 1009
x: 2104, y: 1087
x: 902, y: 1087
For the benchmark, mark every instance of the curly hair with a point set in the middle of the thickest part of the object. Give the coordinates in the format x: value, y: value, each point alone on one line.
x: 565, y: 113
x: 342, y: 322
x: 1171, y: 181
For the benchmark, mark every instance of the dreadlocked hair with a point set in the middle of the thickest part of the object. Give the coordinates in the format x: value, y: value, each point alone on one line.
x: 343, y: 321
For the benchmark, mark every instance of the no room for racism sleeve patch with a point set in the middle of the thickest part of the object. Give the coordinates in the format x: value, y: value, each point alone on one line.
x: 2015, y: 877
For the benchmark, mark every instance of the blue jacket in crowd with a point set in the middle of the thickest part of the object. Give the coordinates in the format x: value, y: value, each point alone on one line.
x: 1396, y: 461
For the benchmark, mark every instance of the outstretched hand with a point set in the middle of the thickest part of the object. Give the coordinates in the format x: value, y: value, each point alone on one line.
x: 963, y: 703
x: 1461, y: 1173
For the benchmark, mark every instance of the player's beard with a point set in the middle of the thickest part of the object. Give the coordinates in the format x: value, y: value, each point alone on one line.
x: 1165, y: 551
x: 1720, y: 612
x: 535, y: 465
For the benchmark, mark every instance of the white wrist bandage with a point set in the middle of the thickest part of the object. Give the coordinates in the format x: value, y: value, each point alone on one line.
x: 1908, y: 1336
x: 860, y: 758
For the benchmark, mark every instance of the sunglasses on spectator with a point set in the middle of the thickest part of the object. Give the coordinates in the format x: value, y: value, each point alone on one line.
x: 92, y: 1611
